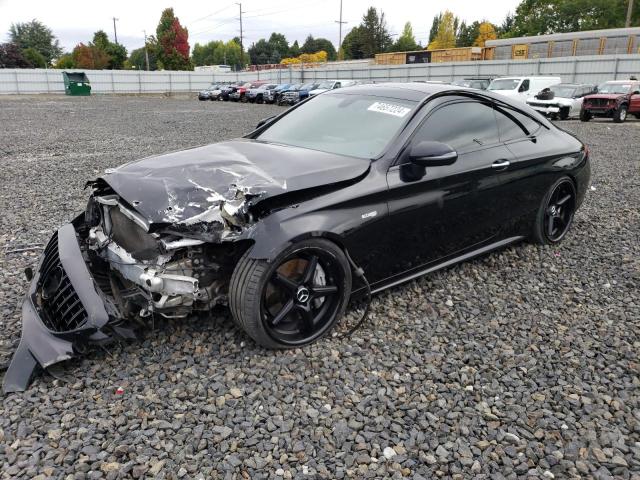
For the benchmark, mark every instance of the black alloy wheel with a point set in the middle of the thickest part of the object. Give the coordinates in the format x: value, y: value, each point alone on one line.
x: 294, y: 300
x: 556, y: 213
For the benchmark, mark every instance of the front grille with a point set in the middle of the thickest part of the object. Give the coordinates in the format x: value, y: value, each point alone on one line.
x: 61, y: 308
x: 599, y: 102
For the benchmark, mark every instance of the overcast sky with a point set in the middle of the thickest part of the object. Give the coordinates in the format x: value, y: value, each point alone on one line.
x: 75, y: 21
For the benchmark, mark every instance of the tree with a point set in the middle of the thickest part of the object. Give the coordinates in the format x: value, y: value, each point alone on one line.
x: 505, y: 30
x: 536, y: 17
x: 486, y: 31
x: 279, y: 47
x: 405, y: 42
x: 173, y: 42
x: 259, y: 52
x: 65, y: 62
x: 11, y: 56
x: 294, y: 50
x: 446, y: 36
x: 368, y: 38
x: 434, y: 27
x: 467, y: 34
x: 313, y: 45
x: 34, y: 57
x: 117, y: 53
x: 36, y: 35
x: 90, y: 57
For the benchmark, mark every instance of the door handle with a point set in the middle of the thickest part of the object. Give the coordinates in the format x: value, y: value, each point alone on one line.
x: 500, y: 164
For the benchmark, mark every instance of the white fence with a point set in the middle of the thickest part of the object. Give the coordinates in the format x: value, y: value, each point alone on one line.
x: 589, y: 69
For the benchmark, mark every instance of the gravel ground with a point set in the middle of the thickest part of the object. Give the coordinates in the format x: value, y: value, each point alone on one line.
x: 523, y: 363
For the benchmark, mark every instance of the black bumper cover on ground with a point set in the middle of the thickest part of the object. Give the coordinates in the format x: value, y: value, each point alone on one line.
x: 45, y: 345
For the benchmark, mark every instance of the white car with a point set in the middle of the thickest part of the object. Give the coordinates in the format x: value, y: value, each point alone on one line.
x: 521, y: 88
x: 561, y: 101
x: 331, y: 84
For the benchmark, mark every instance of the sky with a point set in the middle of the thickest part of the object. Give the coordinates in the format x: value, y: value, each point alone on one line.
x: 74, y: 21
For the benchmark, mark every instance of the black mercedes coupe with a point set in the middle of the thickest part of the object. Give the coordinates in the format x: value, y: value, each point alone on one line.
x: 357, y: 189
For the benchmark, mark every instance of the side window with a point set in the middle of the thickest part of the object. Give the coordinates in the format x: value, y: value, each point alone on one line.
x: 337, y: 85
x: 514, y: 125
x: 465, y: 126
x: 525, y: 86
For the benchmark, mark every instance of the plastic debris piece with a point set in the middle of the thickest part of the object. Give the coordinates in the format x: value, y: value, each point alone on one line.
x: 119, y: 391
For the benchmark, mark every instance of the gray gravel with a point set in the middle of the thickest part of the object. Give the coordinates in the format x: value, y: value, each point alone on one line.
x: 521, y: 364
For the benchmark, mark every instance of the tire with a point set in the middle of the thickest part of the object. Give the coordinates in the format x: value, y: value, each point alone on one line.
x: 620, y: 115
x: 556, y: 212
x: 637, y: 115
x: 564, y: 113
x: 585, y: 115
x: 267, y: 299
x: 259, y: 99
x: 243, y: 99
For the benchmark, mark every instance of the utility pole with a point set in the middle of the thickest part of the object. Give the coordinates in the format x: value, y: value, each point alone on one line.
x: 241, y: 46
x: 115, y: 32
x: 340, y: 22
x: 629, y: 12
x: 146, y: 52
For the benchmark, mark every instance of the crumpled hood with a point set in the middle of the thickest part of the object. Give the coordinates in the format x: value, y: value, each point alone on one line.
x: 191, y: 186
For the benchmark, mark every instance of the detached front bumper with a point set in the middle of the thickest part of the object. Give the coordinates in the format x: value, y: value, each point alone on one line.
x: 546, y: 110
x: 62, y: 308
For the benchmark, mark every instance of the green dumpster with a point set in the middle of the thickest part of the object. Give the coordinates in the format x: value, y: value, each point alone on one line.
x: 76, y: 83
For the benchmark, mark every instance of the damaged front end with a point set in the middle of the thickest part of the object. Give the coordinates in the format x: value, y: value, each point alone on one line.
x: 110, y: 271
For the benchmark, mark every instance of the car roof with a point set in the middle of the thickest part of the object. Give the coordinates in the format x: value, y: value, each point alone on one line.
x: 421, y: 91
x: 621, y: 81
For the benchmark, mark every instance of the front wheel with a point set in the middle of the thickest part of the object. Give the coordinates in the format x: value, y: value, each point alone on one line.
x: 620, y: 115
x: 556, y: 212
x: 295, y: 299
x: 564, y: 113
x: 585, y: 115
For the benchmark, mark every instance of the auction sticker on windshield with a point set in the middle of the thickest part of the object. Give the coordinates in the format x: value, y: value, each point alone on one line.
x: 389, y: 109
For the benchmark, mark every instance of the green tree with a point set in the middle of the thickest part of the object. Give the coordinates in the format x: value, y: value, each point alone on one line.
x: 313, y: 45
x: 36, y: 35
x: 137, y: 59
x: 34, y: 57
x: 446, y: 36
x: 406, y: 42
x: 65, y: 61
x: 173, y: 43
x: 434, y: 27
x: 294, y: 50
x: 368, y: 38
x: 117, y: 53
x: 279, y: 47
x: 259, y: 52
x: 467, y: 34
x: 536, y: 17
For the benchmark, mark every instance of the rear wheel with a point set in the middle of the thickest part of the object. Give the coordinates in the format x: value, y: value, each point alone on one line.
x: 294, y: 300
x: 620, y: 115
x: 585, y: 115
x: 556, y: 212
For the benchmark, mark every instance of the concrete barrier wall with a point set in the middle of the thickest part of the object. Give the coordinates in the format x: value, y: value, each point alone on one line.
x: 588, y: 69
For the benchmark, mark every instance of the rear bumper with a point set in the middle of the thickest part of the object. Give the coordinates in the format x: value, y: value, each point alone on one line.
x: 61, y: 309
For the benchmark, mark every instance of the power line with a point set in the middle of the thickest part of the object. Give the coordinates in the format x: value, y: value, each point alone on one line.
x: 211, y: 14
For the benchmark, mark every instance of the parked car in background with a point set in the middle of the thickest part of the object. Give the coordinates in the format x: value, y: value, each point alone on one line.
x: 521, y: 88
x: 240, y: 94
x: 332, y: 84
x: 272, y: 95
x: 561, y: 101
x: 207, y: 92
x: 479, y: 83
x: 227, y: 90
x: 614, y: 99
x: 257, y: 95
x: 293, y: 96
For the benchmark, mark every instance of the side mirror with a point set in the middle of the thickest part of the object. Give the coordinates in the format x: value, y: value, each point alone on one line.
x: 636, y: 92
x: 432, y: 154
x: 264, y: 121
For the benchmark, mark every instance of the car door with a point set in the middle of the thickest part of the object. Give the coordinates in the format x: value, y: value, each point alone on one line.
x: 438, y: 212
x: 527, y: 180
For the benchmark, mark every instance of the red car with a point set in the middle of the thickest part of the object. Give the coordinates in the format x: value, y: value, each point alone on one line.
x: 614, y: 99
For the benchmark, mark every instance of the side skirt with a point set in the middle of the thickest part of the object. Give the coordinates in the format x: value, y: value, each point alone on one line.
x: 452, y: 261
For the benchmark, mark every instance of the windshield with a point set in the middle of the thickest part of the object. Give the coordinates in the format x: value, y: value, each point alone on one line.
x: 308, y: 86
x: 504, y: 84
x: 359, y: 126
x: 326, y: 85
x: 563, y: 91
x: 614, y: 88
